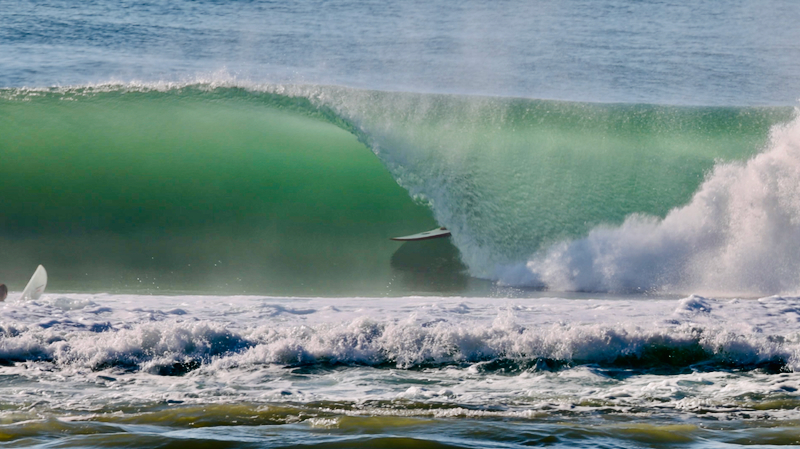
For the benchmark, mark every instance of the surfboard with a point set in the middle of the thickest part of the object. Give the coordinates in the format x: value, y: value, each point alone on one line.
x: 36, y: 285
x: 432, y: 234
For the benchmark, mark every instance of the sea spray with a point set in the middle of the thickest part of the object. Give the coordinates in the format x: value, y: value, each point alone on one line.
x: 509, y: 177
x: 740, y: 234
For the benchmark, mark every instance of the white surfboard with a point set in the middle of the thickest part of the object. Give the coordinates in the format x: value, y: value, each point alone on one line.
x: 432, y: 234
x: 36, y: 285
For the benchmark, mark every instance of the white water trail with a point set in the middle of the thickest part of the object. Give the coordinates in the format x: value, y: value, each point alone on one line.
x: 739, y: 235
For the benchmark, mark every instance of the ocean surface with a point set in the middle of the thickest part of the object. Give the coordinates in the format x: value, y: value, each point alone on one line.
x: 212, y: 187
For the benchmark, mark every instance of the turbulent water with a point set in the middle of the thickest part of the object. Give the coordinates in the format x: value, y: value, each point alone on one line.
x: 97, y: 369
x: 213, y: 186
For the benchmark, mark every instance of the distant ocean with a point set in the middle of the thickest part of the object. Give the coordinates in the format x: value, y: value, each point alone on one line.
x: 212, y: 187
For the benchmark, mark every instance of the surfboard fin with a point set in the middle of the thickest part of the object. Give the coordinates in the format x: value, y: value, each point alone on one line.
x: 36, y: 285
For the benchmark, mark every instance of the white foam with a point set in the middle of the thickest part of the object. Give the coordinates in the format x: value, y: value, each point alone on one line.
x: 739, y: 235
x: 477, y: 351
x: 405, y: 333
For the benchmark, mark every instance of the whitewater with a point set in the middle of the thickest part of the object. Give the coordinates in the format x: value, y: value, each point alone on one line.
x: 428, y: 368
x: 737, y: 236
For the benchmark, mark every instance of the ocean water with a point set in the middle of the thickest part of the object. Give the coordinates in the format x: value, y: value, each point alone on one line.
x: 212, y: 187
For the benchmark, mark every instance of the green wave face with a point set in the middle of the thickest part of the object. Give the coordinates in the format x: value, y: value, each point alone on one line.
x: 194, y: 191
x: 510, y: 177
x: 227, y: 190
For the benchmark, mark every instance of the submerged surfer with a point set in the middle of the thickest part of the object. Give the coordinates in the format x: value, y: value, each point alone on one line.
x: 3, y: 292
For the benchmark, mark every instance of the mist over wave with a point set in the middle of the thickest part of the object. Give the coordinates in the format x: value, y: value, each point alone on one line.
x: 509, y: 176
x: 739, y: 234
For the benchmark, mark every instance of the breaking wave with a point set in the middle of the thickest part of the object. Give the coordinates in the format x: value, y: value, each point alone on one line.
x: 229, y: 187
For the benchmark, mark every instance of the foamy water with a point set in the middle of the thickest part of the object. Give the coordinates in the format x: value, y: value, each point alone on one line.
x: 481, y: 351
x: 432, y: 368
x: 740, y: 234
